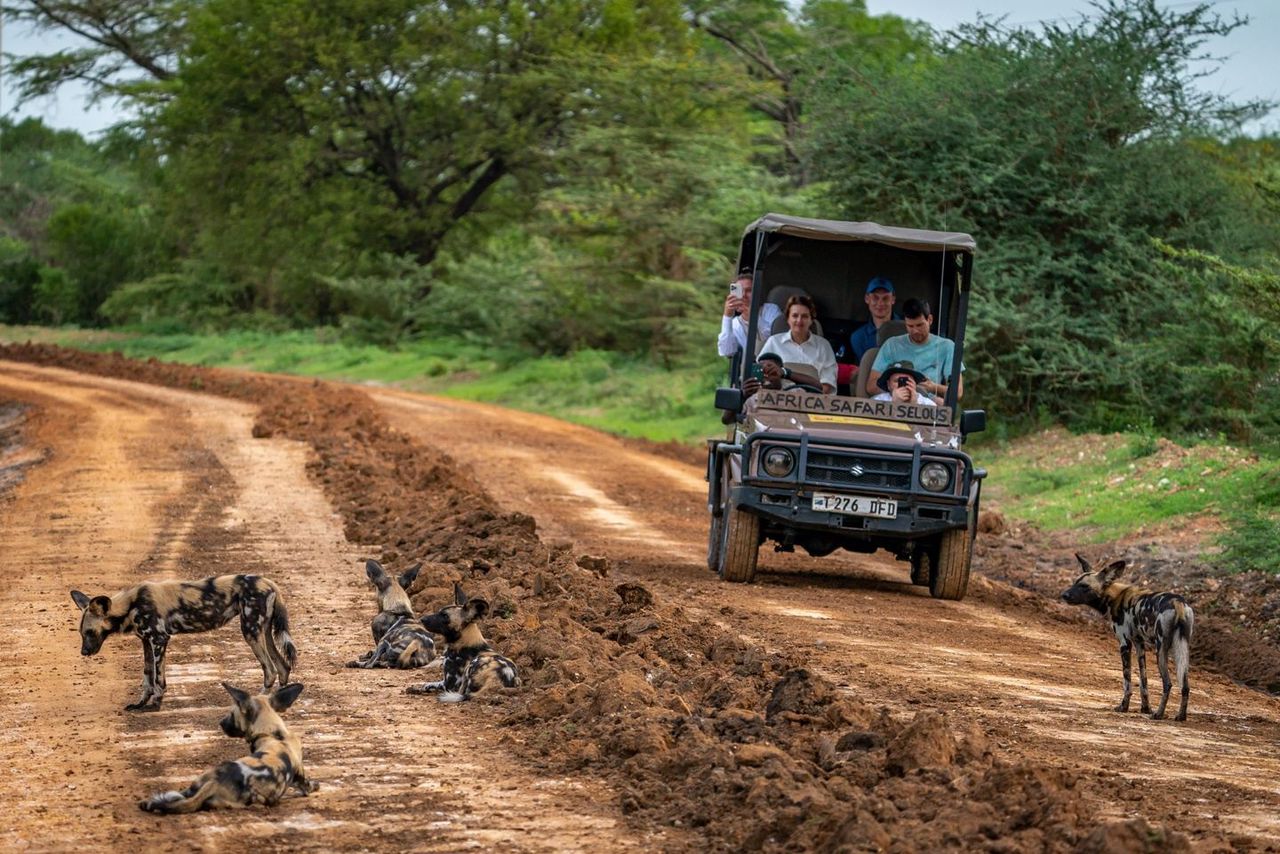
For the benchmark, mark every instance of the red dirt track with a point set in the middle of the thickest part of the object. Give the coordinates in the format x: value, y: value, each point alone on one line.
x: 829, y: 706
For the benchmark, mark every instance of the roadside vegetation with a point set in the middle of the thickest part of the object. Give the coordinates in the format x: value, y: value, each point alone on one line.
x: 546, y: 216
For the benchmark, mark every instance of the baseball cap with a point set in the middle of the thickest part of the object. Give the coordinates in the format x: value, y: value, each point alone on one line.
x: 879, y: 283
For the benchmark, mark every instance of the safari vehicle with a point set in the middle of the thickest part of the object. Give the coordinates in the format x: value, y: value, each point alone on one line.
x: 825, y: 472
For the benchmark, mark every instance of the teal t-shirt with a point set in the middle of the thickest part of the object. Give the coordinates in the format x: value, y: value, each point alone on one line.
x: 932, y: 358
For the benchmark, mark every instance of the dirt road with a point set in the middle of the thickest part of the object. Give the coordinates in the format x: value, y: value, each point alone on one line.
x: 144, y: 481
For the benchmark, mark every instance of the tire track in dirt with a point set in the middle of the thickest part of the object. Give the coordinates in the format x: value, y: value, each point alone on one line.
x: 1040, y: 688
x: 395, y: 771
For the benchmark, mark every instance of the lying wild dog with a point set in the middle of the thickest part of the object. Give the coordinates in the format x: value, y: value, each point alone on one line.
x: 470, y: 664
x: 155, y: 610
x: 1140, y: 618
x: 262, y: 777
x: 400, y: 642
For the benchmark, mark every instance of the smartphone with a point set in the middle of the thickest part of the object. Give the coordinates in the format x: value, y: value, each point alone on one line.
x: 757, y: 371
x: 735, y: 290
x: 902, y: 381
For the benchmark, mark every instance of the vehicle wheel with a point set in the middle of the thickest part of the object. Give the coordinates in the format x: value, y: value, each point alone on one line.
x: 921, y: 567
x: 715, y: 534
x: 714, y: 537
x: 741, y: 547
x: 951, y: 574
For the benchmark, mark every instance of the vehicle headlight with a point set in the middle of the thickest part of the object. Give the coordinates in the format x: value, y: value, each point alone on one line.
x: 778, y: 462
x: 935, y: 477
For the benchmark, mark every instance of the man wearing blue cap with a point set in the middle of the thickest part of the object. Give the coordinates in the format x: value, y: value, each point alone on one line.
x: 879, y: 299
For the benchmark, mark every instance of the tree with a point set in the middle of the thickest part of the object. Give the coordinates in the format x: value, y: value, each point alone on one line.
x: 787, y: 54
x: 1063, y: 192
x: 389, y: 123
x: 122, y: 46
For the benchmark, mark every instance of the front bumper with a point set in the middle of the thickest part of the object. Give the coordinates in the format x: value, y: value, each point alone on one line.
x: 790, y: 507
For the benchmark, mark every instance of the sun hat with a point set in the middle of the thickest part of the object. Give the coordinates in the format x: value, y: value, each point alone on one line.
x: 902, y: 367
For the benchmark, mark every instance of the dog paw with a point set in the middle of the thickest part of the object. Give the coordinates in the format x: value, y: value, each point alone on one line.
x: 1123, y: 707
x: 143, y: 707
x: 1157, y: 716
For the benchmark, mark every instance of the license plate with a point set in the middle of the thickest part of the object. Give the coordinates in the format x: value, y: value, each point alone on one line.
x: 856, y: 505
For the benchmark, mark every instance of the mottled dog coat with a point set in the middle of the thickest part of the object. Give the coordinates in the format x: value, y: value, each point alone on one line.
x: 156, y: 610
x: 262, y: 777
x: 470, y: 664
x: 399, y: 641
x: 1140, y: 618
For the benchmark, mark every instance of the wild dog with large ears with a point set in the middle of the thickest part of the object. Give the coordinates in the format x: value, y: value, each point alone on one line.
x: 156, y: 610
x: 1140, y: 618
x: 262, y: 777
x: 470, y: 664
x: 399, y: 641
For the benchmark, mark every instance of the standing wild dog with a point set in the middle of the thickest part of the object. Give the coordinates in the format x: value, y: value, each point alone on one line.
x: 399, y: 641
x: 262, y: 777
x: 155, y: 610
x: 470, y: 664
x: 1140, y: 618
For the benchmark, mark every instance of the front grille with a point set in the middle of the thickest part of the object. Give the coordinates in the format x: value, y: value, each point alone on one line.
x: 838, y: 469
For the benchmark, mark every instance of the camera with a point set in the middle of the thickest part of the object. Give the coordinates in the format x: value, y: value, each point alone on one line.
x: 902, y: 381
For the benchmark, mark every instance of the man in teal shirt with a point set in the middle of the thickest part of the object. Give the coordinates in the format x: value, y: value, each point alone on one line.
x: 930, y: 354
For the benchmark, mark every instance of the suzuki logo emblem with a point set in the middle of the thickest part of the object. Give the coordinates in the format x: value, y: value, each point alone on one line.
x: 856, y: 471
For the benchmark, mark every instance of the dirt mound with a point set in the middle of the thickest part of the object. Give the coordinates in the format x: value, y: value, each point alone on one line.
x: 695, y: 726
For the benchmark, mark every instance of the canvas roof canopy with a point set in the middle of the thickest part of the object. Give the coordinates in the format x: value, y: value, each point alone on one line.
x: 830, y: 229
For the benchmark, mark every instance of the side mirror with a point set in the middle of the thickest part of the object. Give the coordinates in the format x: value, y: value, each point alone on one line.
x: 729, y: 399
x: 973, y: 421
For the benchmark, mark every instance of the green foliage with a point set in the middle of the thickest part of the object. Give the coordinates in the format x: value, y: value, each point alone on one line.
x: 19, y: 275
x: 1252, y: 540
x: 1064, y: 195
x: 196, y: 297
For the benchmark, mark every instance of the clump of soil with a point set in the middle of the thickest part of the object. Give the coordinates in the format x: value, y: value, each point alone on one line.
x: 695, y: 726
x: 15, y: 455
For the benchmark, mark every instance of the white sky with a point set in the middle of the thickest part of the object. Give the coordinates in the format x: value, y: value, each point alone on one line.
x: 1250, y: 70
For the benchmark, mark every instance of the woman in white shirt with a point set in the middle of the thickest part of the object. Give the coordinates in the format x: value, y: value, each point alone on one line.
x: 799, y: 344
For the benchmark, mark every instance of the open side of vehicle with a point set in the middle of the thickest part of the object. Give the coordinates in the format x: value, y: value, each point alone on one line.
x: 825, y: 472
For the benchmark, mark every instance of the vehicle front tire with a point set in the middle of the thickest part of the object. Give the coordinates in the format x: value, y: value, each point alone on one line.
x: 950, y: 576
x: 741, y: 547
x: 714, y: 537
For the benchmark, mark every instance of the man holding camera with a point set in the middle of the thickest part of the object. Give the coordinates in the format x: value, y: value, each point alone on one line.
x: 737, y: 311
x: 898, y: 384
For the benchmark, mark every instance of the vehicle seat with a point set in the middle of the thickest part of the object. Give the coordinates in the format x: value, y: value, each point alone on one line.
x: 779, y: 296
x: 889, y: 329
x: 864, y: 370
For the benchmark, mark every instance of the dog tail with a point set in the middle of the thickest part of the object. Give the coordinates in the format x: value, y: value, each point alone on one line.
x: 1183, y: 632
x: 280, y: 628
x: 451, y: 696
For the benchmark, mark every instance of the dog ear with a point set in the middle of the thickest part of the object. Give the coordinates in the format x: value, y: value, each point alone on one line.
x: 459, y: 598
x: 377, y: 575
x: 81, y: 600
x: 283, y: 697
x: 407, y: 578
x: 240, y: 697
x: 474, y: 610
x: 1112, y: 571
x: 1084, y: 564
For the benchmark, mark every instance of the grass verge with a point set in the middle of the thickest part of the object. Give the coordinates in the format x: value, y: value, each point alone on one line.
x: 626, y: 395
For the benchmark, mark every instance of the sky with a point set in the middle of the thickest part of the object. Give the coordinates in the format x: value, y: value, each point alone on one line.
x: 1251, y: 69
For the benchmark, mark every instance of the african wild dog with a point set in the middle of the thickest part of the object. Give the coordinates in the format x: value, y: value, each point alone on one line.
x: 262, y: 777
x: 155, y: 610
x: 399, y: 641
x: 470, y: 664
x: 1140, y: 618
